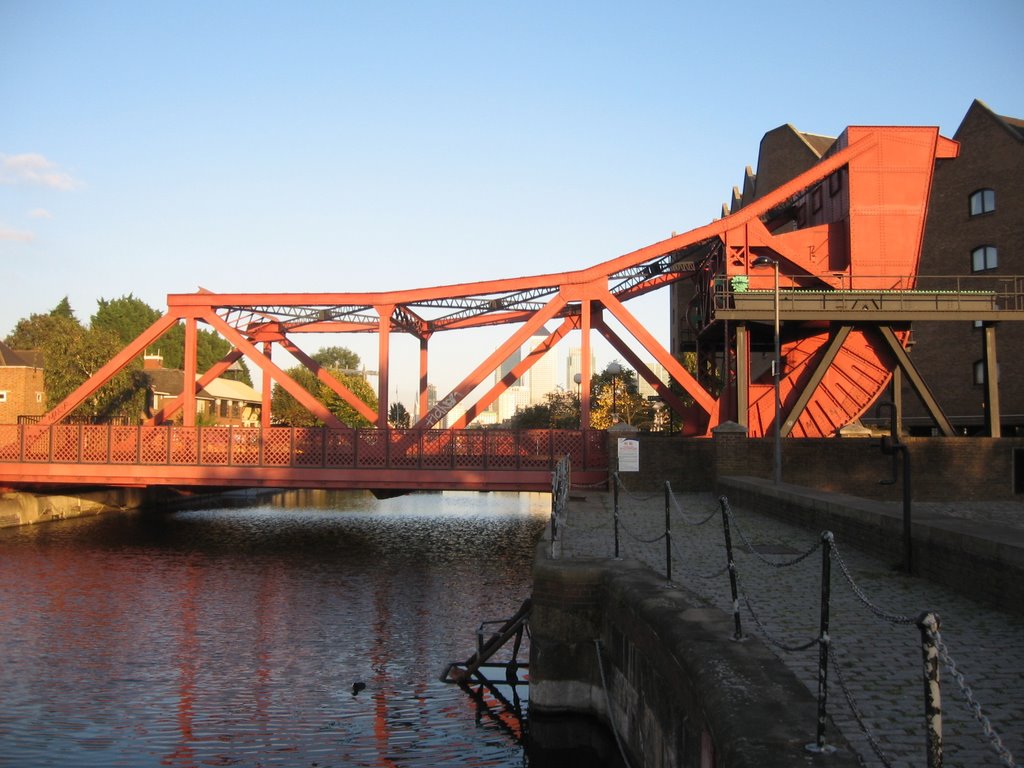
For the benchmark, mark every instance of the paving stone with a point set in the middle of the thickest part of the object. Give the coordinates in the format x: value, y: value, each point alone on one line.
x: 878, y: 660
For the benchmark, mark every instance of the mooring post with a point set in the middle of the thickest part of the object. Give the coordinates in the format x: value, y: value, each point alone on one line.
x: 615, y: 511
x: 668, y: 532
x: 824, y: 641
x: 928, y: 623
x: 738, y: 631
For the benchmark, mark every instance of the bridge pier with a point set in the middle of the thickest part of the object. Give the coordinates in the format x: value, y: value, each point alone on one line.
x: 26, y: 508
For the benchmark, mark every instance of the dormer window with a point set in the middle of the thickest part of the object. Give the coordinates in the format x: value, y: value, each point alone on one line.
x: 983, y: 201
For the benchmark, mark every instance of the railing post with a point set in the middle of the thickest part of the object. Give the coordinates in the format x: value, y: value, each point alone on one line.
x: 81, y: 441
x: 738, y: 629
x: 110, y: 442
x: 668, y: 532
x: 615, y: 510
x: 928, y: 623
x: 824, y: 641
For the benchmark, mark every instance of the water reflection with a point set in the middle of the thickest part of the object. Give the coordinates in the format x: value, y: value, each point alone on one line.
x: 234, y: 635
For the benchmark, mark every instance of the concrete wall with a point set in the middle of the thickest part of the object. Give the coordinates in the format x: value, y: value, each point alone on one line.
x: 964, y: 469
x: 21, y: 508
x: 675, y: 686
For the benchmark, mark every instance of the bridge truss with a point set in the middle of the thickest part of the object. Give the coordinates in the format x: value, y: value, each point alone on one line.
x: 845, y: 237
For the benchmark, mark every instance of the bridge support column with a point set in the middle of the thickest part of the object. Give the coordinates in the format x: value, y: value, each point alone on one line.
x: 384, y: 352
x: 267, y: 393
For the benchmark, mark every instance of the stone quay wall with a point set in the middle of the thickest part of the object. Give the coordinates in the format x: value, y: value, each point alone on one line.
x: 669, y: 680
x: 942, y: 468
x: 23, y: 508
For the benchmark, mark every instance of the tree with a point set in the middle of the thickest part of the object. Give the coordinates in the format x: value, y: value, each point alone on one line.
x: 338, y: 359
x: 560, y: 410
x: 617, y: 398
x: 398, y: 416
x: 288, y: 411
x: 72, y: 354
x: 129, y: 316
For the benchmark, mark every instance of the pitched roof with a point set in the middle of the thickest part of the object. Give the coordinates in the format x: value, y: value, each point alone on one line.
x: 1014, y: 125
x: 25, y: 358
x: 169, y: 381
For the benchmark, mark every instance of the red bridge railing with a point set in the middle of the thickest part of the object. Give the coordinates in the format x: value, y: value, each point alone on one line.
x: 294, y: 447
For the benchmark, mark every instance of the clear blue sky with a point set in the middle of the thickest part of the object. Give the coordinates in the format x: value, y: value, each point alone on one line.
x: 151, y: 148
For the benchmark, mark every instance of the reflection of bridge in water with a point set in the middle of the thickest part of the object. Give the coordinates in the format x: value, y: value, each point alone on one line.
x: 284, y: 457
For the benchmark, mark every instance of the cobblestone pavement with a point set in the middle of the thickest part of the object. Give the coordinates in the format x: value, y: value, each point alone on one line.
x: 878, y: 661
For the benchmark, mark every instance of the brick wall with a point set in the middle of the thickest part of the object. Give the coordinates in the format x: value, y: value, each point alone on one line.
x: 942, y: 468
x: 21, y: 385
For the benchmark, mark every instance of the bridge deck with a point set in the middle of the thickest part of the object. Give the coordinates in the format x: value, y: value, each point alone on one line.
x: 285, y: 457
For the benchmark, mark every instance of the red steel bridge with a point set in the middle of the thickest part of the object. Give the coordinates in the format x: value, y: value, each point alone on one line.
x: 844, y: 239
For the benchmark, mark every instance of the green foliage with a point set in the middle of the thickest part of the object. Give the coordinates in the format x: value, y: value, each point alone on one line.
x: 337, y: 359
x: 560, y: 410
x: 127, y: 317
x: 616, y: 398
x: 73, y: 353
x: 288, y: 411
x: 398, y: 416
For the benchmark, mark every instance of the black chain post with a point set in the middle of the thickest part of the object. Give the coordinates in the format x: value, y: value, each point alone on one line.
x: 668, y: 532
x: 827, y: 541
x: 738, y: 633
x: 615, y: 512
x: 928, y: 623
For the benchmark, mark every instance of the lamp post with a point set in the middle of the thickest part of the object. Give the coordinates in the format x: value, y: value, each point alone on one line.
x: 578, y: 378
x: 766, y: 261
x: 614, y: 369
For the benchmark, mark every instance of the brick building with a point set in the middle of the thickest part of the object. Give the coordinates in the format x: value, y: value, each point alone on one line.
x: 22, y: 391
x: 975, y: 229
x: 974, y: 240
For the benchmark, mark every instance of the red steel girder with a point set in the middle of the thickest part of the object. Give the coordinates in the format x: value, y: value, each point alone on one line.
x: 877, y: 218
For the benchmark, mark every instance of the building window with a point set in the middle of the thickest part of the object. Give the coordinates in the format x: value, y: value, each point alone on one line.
x: 984, y: 257
x: 835, y: 183
x: 816, y: 199
x: 983, y: 201
x: 3, y: 396
x: 39, y: 397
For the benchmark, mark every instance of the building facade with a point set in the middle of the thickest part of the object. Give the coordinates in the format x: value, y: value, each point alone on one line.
x: 22, y: 387
x: 974, y: 239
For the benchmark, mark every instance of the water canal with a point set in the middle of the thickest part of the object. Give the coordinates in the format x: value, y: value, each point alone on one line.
x: 235, y: 634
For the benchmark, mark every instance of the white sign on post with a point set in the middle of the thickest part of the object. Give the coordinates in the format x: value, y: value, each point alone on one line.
x: 629, y: 455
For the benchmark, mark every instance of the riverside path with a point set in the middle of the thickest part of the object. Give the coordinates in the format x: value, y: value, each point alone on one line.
x: 876, y: 664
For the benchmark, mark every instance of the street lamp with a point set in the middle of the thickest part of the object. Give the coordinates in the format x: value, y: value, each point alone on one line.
x: 767, y: 261
x: 578, y: 378
x: 614, y: 369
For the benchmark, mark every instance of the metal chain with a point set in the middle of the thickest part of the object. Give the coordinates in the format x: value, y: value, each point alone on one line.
x: 753, y: 550
x: 986, y: 725
x: 633, y: 536
x: 682, y: 515
x: 632, y: 494
x: 893, y: 618
x: 764, y: 629
x: 875, y: 746
x: 723, y: 570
